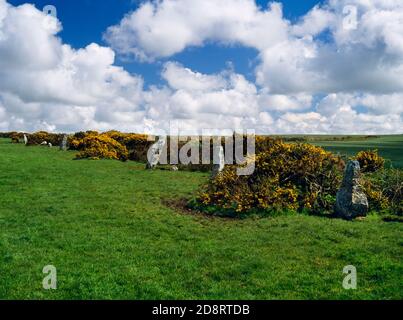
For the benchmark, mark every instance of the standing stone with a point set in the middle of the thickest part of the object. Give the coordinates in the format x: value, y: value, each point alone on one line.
x: 351, y: 201
x: 25, y: 139
x: 154, y: 153
x: 63, y: 144
x: 50, y: 145
x: 219, y: 161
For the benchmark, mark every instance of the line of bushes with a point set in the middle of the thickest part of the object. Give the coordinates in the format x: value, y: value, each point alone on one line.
x: 128, y: 146
x: 110, y: 145
x: 299, y: 178
x: 33, y: 138
x: 288, y: 176
x: 42, y: 136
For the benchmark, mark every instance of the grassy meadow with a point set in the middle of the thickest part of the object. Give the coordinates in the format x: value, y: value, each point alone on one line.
x: 389, y: 147
x: 106, y: 228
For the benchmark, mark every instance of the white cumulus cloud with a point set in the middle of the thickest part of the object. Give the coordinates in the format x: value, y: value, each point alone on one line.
x: 314, y: 75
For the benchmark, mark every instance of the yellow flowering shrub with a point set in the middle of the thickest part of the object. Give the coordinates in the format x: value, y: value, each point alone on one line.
x: 384, y: 189
x: 370, y: 161
x: 286, y: 176
x: 100, y: 146
x: 15, y: 137
x: 74, y: 142
x: 136, y: 144
x: 126, y: 138
x: 376, y: 199
x: 42, y: 136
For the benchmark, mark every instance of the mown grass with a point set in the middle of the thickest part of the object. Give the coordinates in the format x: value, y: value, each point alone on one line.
x: 105, y: 227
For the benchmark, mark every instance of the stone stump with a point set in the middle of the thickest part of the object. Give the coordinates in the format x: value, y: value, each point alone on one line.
x: 63, y: 144
x: 351, y: 201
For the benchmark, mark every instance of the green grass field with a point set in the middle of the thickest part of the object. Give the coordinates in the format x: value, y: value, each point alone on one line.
x: 389, y: 147
x: 105, y: 227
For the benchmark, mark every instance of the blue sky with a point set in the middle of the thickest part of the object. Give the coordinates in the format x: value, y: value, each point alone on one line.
x: 305, y: 66
x: 85, y: 21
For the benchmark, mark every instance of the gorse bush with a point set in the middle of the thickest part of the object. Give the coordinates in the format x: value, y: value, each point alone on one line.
x: 136, y: 144
x: 298, y: 177
x: 15, y: 137
x: 34, y: 138
x: 384, y: 189
x: 370, y: 161
x: 392, y: 187
x: 287, y: 176
x: 100, y: 146
x: 12, y: 134
x: 75, y: 141
x: 43, y: 136
x: 128, y: 145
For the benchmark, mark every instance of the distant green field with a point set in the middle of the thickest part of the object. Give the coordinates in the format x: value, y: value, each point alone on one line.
x: 104, y: 226
x: 389, y: 147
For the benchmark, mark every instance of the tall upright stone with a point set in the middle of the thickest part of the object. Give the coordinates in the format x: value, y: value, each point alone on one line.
x: 155, y: 152
x: 351, y: 201
x: 63, y: 144
x: 218, y: 160
x: 25, y: 139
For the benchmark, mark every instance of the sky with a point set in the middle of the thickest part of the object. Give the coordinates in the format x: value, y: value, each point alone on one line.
x: 284, y: 67
x: 85, y: 21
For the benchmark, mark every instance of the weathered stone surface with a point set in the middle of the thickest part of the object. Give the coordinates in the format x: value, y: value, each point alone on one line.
x: 154, y: 154
x: 63, y: 144
x: 25, y: 139
x: 219, y: 160
x: 44, y: 143
x: 50, y: 145
x: 351, y: 201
